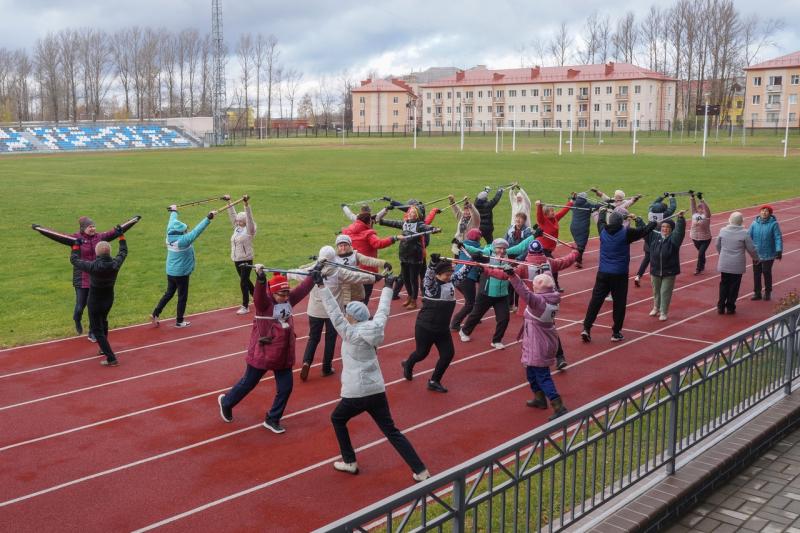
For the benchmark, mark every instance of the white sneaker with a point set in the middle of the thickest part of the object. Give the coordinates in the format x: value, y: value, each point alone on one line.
x: 154, y: 320
x: 422, y: 476
x: 350, y: 468
x: 463, y: 336
x: 609, y: 298
x: 662, y: 317
x: 654, y: 311
x: 498, y: 345
x: 184, y: 324
x: 242, y: 310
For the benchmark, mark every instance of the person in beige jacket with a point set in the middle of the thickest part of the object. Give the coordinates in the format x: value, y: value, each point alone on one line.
x: 244, y: 229
x: 466, y: 219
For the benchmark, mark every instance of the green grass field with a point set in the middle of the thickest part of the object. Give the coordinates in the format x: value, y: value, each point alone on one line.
x: 296, y: 187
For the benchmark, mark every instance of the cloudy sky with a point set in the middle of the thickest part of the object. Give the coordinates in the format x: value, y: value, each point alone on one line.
x: 325, y: 37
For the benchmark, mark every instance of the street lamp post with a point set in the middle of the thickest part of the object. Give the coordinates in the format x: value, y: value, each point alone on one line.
x: 705, y: 125
x: 786, y: 135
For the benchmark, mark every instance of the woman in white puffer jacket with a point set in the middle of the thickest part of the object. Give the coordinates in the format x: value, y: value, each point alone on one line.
x: 244, y: 229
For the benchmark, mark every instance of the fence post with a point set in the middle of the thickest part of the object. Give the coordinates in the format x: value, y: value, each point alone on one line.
x: 790, y: 353
x: 459, y: 502
x: 672, y: 437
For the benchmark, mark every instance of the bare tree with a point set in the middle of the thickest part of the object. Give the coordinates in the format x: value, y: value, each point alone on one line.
x: 68, y: 49
x: 626, y: 38
x: 259, y: 53
x: 244, y: 51
x: 291, y: 80
x: 193, y: 50
x: 604, y: 39
x: 94, y: 59
x: 48, y: 65
x: 205, y: 75
x: 591, y: 40
x: 123, y: 63
x: 757, y: 35
x: 272, y: 66
x: 560, y: 46
x: 651, y: 35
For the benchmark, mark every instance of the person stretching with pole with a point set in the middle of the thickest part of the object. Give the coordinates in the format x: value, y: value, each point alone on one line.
x: 438, y: 303
x: 467, y: 283
x: 700, y: 233
x: 665, y: 262
x: 580, y: 225
x: 180, y: 263
x: 485, y: 208
x: 363, y: 388
x: 520, y: 203
x: 365, y: 242
x: 244, y: 229
x: 547, y: 218
x: 466, y: 219
x: 658, y: 212
x: 271, y: 347
x: 102, y: 277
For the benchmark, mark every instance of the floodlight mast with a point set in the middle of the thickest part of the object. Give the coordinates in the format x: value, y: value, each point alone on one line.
x: 219, y: 99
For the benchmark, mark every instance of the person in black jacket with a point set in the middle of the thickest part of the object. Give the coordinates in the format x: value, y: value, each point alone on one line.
x: 612, y: 274
x: 665, y: 262
x: 658, y: 210
x: 411, y: 251
x: 432, y: 326
x: 485, y: 207
x: 102, y: 277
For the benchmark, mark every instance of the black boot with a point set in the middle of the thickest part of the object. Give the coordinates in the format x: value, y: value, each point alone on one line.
x: 539, y: 401
x: 561, y: 362
x: 558, y: 408
x: 756, y: 296
x: 408, y: 370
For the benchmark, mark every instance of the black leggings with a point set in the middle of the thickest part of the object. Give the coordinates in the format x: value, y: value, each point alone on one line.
x: 425, y: 339
x: 100, y: 302
x: 765, y: 268
x: 501, y: 315
x: 701, y: 246
x: 81, y: 297
x: 410, y: 274
x: 244, y: 280
x: 467, y: 288
x: 175, y: 283
x: 728, y: 291
x: 315, y: 325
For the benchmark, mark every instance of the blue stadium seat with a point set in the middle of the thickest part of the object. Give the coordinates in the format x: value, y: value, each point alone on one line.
x: 82, y: 138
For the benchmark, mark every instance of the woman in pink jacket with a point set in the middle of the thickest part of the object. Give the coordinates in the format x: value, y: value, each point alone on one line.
x: 539, y: 338
x: 271, y: 347
x: 700, y: 232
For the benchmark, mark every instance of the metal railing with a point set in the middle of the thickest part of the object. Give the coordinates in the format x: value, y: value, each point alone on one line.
x: 549, y: 478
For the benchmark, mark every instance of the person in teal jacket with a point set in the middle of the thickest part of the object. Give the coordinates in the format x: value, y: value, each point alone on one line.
x: 180, y: 263
x: 492, y: 292
x: 766, y: 235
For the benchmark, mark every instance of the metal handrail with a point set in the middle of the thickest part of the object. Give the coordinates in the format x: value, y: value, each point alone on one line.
x: 690, y: 400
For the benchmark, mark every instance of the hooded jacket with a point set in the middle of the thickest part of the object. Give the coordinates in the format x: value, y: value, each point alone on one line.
x: 180, y: 251
x: 361, y: 373
x: 615, y: 242
x: 580, y: 224
x: 549, y: 225
x: 732, y: 243
x: 485, y: 208
x: 515, y: 236
x: 658, y: 210
x: 346, y: 286
x: 467, y: 271
x: 242, y: 238
x: 522, y: 205
x: 665, y: 259
x: 272, y: 346
x: 767, y: 238
x: 365, y: 241
x: 538, y: 335
x: 701, y: 221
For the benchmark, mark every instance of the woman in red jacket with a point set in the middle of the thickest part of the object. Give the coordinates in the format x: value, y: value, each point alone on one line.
x: 548, y: 218
x: 271, y: 346
x: 365, y: 241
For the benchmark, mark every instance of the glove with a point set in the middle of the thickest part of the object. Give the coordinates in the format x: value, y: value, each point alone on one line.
x: 537, y: 232
x: 435, y: 258
x: 36, y: 226
x: 458, y: 243
x: 210, y: 215
x: 316, y: 275
x: 779, y: 255
x: 508, y: 269
x: 343, y: 205
x: 246, y: 198
x: 79, y: 241
x: 118, y: 230
x: 666, y: 194
x: 386, y: 199
x: 436, y: 210
x: 500, y: 189
x: 699, y: 196
x: 691, y: 192
x: 672, y: 194
x: 173, y: 207
x: 389, y: 207
x: 477, y: 256
x: 387, y: 266
x: 226, y: 197
x: 389, y: 280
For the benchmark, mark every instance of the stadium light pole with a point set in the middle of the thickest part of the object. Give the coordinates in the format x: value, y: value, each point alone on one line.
x: 413, y: 103
x: 705, y: 125
x: 634, y: 129
x: 789, y: 102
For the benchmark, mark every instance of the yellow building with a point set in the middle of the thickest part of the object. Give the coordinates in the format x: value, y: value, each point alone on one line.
x: 771, y: 95
x: 240, y: 119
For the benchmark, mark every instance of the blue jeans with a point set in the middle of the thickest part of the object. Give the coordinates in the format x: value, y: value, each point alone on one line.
x: 252, y: 375
x: 540, y: 380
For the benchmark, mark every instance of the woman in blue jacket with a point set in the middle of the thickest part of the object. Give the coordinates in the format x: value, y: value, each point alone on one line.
x: 766, y: 235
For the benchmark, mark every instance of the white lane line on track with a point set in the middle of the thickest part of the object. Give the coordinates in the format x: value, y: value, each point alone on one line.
x: 145, y: 324
x: 423, y: 424
x: 330, y: 402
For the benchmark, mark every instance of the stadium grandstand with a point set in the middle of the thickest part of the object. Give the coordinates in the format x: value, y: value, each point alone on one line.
x: 49, y: 138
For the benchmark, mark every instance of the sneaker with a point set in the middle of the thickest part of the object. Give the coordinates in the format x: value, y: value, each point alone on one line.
x: 609, y: 298
x: 637, y: 281
x: 498, y: 345
x: 225, y: 412
x: 422, y: 476
x: 274, y: 426
x: 654, y: 311
x: 91, y: 338
x: 616, y: 337
x: 559, y: 289
x: 328, y: 372
x: 512, y: 309
x: 304, y: 371
x: 435, y: 386
x: 350, y: 468
x: 585, y: 336
x: 112, y: 362
x: 697, y: 272
x: 720, y: 310
x: 407, y: 371
x: 561, y: 362
x: 184, y: 324
x: 756, y: 296
x: 578, y: 265
x: 662, y: 317
x: 242, y: 310
x: 154, y: 320
x: 463, y: 336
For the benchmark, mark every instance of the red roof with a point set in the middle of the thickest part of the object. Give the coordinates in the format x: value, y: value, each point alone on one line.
x: 574, y: 73
x: 787, y: 61
x: 379, y: 85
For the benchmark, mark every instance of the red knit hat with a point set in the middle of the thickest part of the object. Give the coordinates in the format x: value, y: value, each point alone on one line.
x: 767, y: 207
x: 278, y: 283
x: 474, y: 234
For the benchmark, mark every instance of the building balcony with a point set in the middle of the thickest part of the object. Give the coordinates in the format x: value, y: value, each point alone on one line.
x: 621, y: 96
x: 772, y: 107
x: 498, y: 99
x: 546, y: 114
x: 469, y: 100
x: 774, y: 88
x: 621, y: 113
x: 583, y: 114
x: 547, y: 98
x: 437, y: 101
x: 583, y: 97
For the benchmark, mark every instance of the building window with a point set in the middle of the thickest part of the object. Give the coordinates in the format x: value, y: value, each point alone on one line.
x: 499, y: 109
x: 428, y: 123
x: 569, y: 123
x: 774, y: 99
x: 608, y: 107
x: 597, y: 90
x: 584, y: 91
x: 468, y: 108
x: 608, y: 123
x: 583, y: 107
x: 582, y: 122
x: 669, y: 91
x: 534, y: 92
x: 558, y: 123
x: 361, y: 100
x: 429, y: 110
x: 623, y: 90
x: 558, y: 91
x: 756, y: 99
x: 511, y: 109
x: 772, y: 117
x: 795, y: 79
x: 458, y: 95
x: 524, y: 92
x: 395, y: 124
x: 570, y: 92
x: 449, y: 124
x: 569, y: 108
x: 637, y: 89
x: 480, y: 109
x: 638, y: 106
x: 395, y: 113
x: 458, y: 109
x: 597, y: 107
x: 449, y: 95
x: 792, y: 117
x: 558, y: 108
x: 522, y: 123
x: 669, y: 107
x: 793, y: 99
x: 622, y: 106
x: 776, y: 80
x: 622, y: 123
x: 449, y: 110
x: 512, y: 93
x: 438, y: 124
x: 534, y: 123
x: 438, y: 96
x: 546, y: 123
x: 609, y: 89
x: 480, y: 94
x: 395, y: 100
x: 753, y: 116
x: 438, y: 110
x: 547, y: 92
x: 360, y: 112
x: 428, y: 97
x: 468, y: 94
x: 596, y: 123
x: 547, y: 108
x: 535, y: 108
x: 498, y: 94
x: 757, y: 81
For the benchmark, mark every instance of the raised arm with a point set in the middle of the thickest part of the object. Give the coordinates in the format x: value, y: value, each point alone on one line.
x: 348, y: 212
x: 122, y: 253
x: 185, y: 240
x: 564, y: 210
x: 497, y: 195
x: 54, y: 235
x: 251, y: 224
x: 301, y: 291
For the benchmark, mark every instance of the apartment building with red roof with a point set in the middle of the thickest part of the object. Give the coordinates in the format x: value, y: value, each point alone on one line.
x: 771, y: 93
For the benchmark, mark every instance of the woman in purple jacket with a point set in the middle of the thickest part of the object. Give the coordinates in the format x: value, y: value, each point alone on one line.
x: 89, y: 239
x: 539, y: 338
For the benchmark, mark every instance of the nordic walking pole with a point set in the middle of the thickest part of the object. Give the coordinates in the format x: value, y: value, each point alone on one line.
x: 237, y: 202
x: 556, y: 239
x: 354, y: 269
x: 280, y: 270
x: 370, y: 201
x: 570, y: 206
x: 421, y: 233
x: 198, y: 202
x: 437, y: 200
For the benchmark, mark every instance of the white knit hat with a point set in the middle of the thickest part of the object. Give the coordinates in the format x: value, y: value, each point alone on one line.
x: 327, y: 253
x: 343, y: 239
x: 358, y: 311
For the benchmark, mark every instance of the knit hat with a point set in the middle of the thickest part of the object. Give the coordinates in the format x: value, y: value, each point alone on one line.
x: 85, y: 222
x: 443, y: 266
x: 364, y: 217
x: 473, y: 235
x: 358, y: 311
x: 327, y: 253
x: 500, y: 242
x: 767, y: 207
x: 582, y: 195
x: 278, y: 283
x: 483, y: 195
x: 343, y: 239
x: 735, y: 219
x: 535, y: 247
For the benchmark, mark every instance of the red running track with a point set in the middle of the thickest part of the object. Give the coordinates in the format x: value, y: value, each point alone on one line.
x: 142, y: 446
